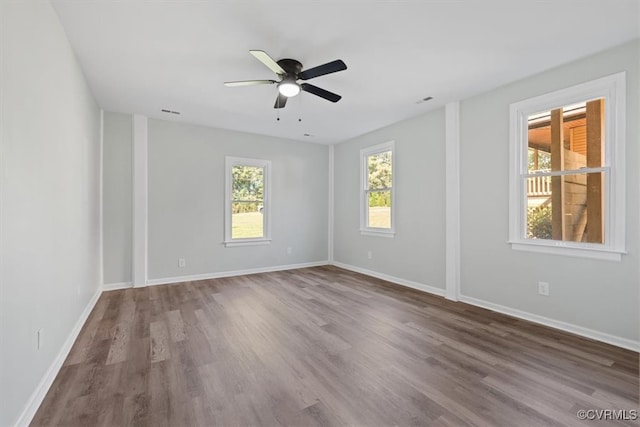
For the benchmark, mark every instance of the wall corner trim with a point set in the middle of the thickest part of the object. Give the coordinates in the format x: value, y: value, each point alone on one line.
x: 452, y: 201
x: 101, y: 198
x: 330, y: 203
x: 140, y: 199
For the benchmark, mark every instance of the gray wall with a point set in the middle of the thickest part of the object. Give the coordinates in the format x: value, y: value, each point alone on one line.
x: 416, y: 253
x: 186, y: 200
x: 117, y: 187
x: 50, y: 145
x: 600, y: 295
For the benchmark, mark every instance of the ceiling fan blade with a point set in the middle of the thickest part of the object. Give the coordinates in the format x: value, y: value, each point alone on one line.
x: 281, y: 101
x: 329, y: 96
x: 263, y: 57
x: 250, y: 83
x: 321, y: 70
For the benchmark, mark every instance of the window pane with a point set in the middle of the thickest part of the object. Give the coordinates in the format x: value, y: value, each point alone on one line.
x: 567, y: 138
x: 539, y: 160
x: 379, y: 209
x: 568, y: 208
x: 247, y: 202
x: 246, y: 220
x: 380, y: 173
x: 248, y: 183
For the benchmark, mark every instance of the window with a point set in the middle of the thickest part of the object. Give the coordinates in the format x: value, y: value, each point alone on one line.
x: 567, y: 171
x: 247, y: 202
x: 376, y: 190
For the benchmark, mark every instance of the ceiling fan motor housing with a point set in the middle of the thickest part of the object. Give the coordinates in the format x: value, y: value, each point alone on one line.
x: 291, y: 66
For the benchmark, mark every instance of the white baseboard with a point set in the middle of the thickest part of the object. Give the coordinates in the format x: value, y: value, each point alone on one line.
x: 193, y: 278
x: 392, y: 279
x: 41, y: 390
x: 116, y: 286
x: 556, y: 324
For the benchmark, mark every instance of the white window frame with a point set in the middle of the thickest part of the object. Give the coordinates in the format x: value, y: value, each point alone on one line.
x: 613, y: 90
x: 230, y: 162
x: 364, y: 190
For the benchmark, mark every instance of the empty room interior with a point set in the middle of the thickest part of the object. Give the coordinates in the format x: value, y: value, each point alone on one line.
x: 368, y: 213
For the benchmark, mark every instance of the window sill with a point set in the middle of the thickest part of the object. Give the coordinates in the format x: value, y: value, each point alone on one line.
x: 568, y: 249
x: 246, y: 242
x: 377, y: 233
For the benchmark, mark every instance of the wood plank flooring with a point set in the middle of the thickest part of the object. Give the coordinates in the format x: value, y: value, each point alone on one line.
x: 324, y: 346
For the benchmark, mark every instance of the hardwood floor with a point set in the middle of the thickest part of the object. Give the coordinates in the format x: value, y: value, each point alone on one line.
x: 324, y: 346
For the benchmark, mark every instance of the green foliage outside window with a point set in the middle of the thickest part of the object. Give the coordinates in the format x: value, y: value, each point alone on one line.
x: 380, y: 177
x: 539, y: 222
x: 248, y: 189
x: 539, y: 160
x: 382, y: 198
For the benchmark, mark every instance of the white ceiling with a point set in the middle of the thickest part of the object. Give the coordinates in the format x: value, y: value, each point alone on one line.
x: 143, y: 56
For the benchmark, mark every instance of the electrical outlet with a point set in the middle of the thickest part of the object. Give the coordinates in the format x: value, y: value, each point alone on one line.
x: 543, y: 288
x: 289, y: 251
x: 369, y: 254
x: 39, y: 338
x: 182, y: 262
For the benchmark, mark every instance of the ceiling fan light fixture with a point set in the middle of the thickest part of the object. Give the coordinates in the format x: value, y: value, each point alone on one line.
x: 288, y: 88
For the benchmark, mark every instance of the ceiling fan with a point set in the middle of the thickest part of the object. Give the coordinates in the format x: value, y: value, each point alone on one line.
x: 290, y: 71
